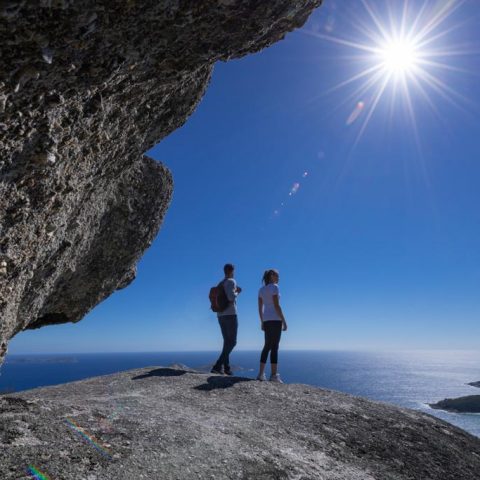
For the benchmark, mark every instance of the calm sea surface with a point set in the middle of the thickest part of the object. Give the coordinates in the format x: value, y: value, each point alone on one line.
x: 408, y: 379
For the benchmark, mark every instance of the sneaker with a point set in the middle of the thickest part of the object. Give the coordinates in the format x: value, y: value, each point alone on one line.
x: 217, y: 370
x: 228, y: 371
x: 276, y: 378
x: 261, y: 378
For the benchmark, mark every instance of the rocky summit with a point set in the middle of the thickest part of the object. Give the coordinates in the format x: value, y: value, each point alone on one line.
x: 86, y: 88
x: 173, y: 423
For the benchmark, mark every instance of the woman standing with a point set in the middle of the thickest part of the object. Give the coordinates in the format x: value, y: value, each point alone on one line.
x: 272, y: 323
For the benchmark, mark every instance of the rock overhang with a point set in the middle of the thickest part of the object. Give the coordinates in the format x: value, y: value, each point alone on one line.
x: 86, y: 88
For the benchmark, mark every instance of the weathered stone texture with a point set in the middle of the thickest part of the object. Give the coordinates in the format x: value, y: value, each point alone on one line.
x: 170, y: 423
x: 86, y: 87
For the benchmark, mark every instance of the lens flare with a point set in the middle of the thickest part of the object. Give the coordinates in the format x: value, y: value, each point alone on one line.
x: 35, y: 473
x: 293, y: 191
x: 294, y: 188
x: 90, y: 439
x: 356, y: 113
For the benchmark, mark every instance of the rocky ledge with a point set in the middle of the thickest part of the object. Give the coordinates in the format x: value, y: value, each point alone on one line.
x: 171, y: 423
x: 86, y: 88
x: 468, y: 404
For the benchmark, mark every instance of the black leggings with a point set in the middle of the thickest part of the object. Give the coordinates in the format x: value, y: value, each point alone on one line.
x: 273, y: 332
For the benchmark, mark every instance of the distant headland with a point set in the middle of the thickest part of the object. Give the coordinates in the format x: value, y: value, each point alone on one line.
x: 468, y: 404
x: 40, y: 360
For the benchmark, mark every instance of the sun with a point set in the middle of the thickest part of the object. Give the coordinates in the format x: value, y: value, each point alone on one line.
x: 399, y: 57
x: 403, y: 54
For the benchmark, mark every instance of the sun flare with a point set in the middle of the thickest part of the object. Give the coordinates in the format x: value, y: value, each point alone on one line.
x: 403, y: 53
x: 399, y: 56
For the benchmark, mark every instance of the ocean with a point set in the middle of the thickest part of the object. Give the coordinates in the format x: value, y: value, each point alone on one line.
x: 408, y: 379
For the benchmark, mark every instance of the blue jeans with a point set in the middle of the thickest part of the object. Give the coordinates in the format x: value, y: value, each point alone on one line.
x: 229, y: 327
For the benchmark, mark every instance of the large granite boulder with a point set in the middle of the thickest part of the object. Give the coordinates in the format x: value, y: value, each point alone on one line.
x: 170, y: 423
x: 86, y: 87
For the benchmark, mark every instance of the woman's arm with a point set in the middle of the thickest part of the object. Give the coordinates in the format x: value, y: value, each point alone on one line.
x: 260, y: 310
x: 278, y: 309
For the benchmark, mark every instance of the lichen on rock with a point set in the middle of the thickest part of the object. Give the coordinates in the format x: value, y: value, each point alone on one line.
x: 86, y: 88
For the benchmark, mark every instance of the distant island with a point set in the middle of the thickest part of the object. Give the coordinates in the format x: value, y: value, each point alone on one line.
x: 468, y: 404
x: 42, y: 360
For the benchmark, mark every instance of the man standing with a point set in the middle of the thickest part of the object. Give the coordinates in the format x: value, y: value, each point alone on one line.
x: 228, y: 320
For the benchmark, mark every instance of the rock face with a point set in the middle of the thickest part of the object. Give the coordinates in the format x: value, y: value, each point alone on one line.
x: 166, y: 423
x: 86, y: 87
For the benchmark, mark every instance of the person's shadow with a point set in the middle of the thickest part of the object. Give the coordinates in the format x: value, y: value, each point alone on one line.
x: 161, y: 372
x: 216, y: 382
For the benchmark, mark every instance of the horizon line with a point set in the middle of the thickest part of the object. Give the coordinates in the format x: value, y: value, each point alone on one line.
x: 372, y: 350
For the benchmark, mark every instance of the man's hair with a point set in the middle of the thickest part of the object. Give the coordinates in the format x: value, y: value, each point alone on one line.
x: 228, y: 268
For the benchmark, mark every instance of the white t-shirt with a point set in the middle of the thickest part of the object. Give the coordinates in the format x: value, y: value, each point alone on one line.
x: 266, y: 293
x: 230, y: 286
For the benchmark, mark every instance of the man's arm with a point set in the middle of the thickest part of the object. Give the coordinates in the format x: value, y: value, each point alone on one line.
x: 231, y: 289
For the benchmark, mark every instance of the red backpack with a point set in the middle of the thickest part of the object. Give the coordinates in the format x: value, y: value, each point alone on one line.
x: 218, y: 298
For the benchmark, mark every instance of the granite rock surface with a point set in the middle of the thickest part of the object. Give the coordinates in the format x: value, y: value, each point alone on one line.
x: 172, y: 423
x: 86, y: 88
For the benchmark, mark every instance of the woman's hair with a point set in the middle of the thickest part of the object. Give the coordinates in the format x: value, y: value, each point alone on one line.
x: 267, y: 276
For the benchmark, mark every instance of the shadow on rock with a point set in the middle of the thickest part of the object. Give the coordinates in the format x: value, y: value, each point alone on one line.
x: 161, y: 372
x: 13, y: 404
x: 216, y: 382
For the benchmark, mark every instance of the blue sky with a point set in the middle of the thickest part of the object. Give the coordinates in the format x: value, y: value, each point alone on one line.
x: 374, y: 226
